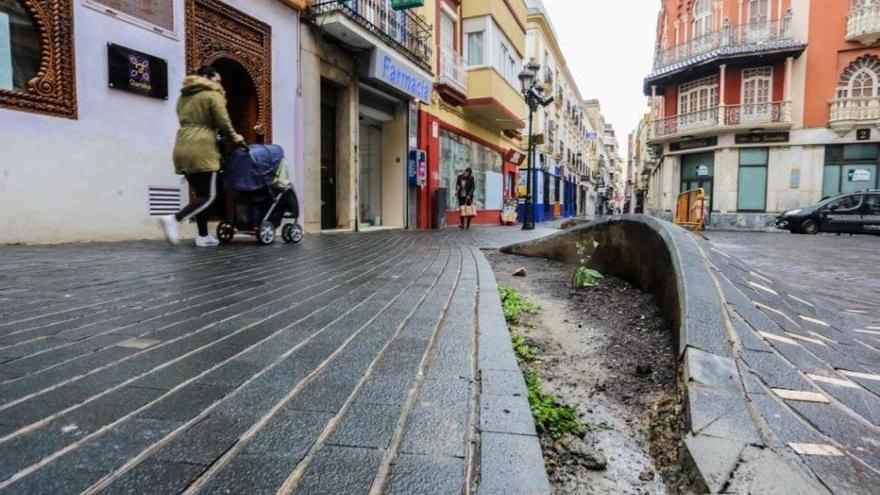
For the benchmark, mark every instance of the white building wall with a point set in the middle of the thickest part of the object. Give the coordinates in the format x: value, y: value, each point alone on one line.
x: 87, y: 179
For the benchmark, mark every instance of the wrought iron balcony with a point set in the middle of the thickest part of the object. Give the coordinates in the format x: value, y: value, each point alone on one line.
x: 453, y: 70
x: 846, y: 113
x: 863, y: 23
x: 402, y: 30
x: 754, y: 33
x: 776, y: 114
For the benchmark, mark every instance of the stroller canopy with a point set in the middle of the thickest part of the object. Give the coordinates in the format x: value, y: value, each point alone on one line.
x: 254, y: 168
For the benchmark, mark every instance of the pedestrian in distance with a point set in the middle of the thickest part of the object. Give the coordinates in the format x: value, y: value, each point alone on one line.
x: 464, y: 190
x: 202, y: 113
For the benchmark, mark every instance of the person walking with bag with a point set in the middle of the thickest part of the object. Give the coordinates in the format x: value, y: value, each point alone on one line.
x: 202, y: 113
x: 464, y: 189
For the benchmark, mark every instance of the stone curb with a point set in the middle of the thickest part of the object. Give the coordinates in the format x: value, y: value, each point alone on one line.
x: 511, y: 461
x: 659, y: 257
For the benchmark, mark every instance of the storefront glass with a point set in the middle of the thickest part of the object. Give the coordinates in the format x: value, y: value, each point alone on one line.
x: 458, y: 153
x: 850, y: 168
x: 752, y: 186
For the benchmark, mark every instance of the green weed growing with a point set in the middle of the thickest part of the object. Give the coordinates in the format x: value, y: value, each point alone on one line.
x: 584, y: 276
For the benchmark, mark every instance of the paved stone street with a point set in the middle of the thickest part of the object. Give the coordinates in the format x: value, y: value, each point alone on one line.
x: 840, y: 270
x: 810, y: 363
x: 340, y: 365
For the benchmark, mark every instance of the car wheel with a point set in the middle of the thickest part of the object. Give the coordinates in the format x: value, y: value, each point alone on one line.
x: 810, y: 227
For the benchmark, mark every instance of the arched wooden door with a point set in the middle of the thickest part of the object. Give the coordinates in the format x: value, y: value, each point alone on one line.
x: 240, y: 47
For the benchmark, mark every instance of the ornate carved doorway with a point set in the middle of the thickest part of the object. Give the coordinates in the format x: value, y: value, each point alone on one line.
x: 240, y: 47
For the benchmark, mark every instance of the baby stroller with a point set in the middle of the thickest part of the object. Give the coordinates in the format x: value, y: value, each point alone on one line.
x: 262, y: 198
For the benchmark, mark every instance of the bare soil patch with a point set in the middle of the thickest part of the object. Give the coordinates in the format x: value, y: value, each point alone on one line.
x: 608, y: 350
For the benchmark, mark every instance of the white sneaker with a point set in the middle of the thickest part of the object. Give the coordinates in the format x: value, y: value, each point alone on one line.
x: 207, y: 241
x: 171, y: 228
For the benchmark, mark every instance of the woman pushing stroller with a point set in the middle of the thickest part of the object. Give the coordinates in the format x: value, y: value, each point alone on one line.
x: 202, y: 113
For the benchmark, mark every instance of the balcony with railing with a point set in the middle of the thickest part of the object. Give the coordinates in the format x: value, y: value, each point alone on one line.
x: 401, y: 30
x: 452, y: 75
x: 847, y: 113
x: 863, y: 22
x: 722, y: 118
x: 755, y: 33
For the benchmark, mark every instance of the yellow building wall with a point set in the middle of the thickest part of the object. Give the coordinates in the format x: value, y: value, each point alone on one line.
x: 503, y: 17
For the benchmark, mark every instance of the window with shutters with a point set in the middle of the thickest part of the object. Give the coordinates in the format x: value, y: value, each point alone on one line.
x: 757, y: 94
x: 155, y: 15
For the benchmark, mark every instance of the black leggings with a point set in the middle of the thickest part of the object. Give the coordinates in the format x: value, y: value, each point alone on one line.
x: 205, y: 186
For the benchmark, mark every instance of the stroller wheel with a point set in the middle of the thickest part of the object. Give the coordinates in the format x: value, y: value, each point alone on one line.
x: 225, y: 232
x: 296, y: 233
x: 292, y: 233
x: 266, y: 235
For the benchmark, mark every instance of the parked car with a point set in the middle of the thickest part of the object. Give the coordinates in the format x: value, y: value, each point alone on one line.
x: 850, y: 213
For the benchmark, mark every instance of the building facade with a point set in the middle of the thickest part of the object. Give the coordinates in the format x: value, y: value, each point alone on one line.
x: 563, y: 133
x: 768, y: 105
x: 87, y: 105
x: 365, y: 68
x: 475, y: 117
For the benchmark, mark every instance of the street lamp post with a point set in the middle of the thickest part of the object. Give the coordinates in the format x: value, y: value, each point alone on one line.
x: 533, y: 92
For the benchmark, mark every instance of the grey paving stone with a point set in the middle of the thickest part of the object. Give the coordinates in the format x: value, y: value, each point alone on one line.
x: 426, y: 475
x: 346, y: 469
x: 511, y: 464
x: 205, y: 441
x: 436, y: 428
x: 712, y: 370
x: 785, y: 424
x: 57, y: 479
x: 153, y: 476
x: 844, y: 474
x: 506, y: 414
x: 115, y: 448
x: 763, y: 472
x: 187, y: 402
x: 858, y: 438
x: 111, y: 407
x: 747, y: 336
x: 715, y: 458
x: 289, y: 435
x: 722, y: 414
x: 367, y: 425
x: 504, y: 383
x: 250, y: 474
x: 774, y: 371
x: 44, y: 405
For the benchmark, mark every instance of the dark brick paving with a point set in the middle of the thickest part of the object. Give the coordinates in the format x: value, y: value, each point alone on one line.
x: 810, y: 361
x: 840, y: 270
x: 334, y: 366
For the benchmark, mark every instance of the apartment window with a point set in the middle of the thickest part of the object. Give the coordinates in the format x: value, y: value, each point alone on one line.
x: 698, y: 96
x: 703, y: 18
x: 759, y: 11
x: 860, y: 79
x: 475, y: 49
x: 752, y: 186
x: 447, y: 31
x: 27, y: 79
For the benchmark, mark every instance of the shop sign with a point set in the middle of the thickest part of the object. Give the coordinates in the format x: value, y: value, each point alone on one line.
x: 5, y: 53
x: 400, y: 75
x: 762, y: 137
x: 694, y: 144
x: 515, y: 157
x: 136, y: 72
x: 406, y: 4
x: 863, y: 134
x: 859, y: 175
x: 702, y: 171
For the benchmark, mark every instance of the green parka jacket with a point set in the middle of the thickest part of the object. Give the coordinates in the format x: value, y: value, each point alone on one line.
x: 202, y: 112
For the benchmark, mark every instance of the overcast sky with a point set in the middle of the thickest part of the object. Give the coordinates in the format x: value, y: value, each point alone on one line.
x: 609, y: 47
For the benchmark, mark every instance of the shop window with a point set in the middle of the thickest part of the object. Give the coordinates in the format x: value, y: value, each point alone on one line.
x: 850, y: 168
x: 752, y: 186
x: 458, y: 153
x: 36, y: 56
x: 147, y: 13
